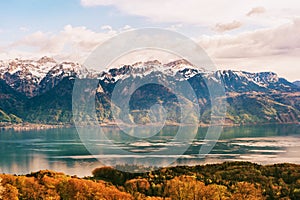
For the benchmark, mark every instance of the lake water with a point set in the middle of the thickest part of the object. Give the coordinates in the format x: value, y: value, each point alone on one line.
x: 64, y: 150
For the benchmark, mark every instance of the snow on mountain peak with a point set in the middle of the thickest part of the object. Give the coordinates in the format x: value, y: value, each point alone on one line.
x: 27, y: 68
x: 65, y: 69
x: 34, y: 77
x: 260, y: 79
x: 175, y: 68
x: 26, y: 75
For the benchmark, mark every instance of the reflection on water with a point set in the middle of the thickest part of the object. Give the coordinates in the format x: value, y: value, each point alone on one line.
x: 63, y: 150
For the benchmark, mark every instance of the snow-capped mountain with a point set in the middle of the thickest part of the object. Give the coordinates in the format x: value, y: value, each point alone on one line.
x: 34, y: 77
x: 37, y: 69
x: 252, y: 97
x: 234, y: 81
x: 181, y: 68
x: 240, y: 81
x: 57, y: 73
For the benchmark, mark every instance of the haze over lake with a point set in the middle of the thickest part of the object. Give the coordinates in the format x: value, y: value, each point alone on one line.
x: 62, y: 149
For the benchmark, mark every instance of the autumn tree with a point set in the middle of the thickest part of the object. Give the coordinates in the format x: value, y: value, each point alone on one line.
x: 185, y: 187
x: 246, y: 191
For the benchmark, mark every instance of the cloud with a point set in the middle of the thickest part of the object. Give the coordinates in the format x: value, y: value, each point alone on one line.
x: 272, y: 48
x: 265, y: 42
x: 203, y: 13
x: 175, y: 27
x: 256, y: 11
x: 108, y: 28
x: 228, y: 26
x: 275, y: 49
x: 72, y: 43
x: 126, y: 28
x: 24, y: 29
x: 34, y: 40
x: 90, y: 3
x: 189, y: 11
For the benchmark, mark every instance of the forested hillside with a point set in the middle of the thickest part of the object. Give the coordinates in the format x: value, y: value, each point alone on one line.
x: 236, y: 180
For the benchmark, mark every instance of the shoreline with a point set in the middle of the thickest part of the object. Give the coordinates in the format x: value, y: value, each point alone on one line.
x: 117, y: 168
x: 33, y: 126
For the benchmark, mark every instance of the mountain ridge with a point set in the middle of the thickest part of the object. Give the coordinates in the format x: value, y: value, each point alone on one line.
x: 45, y: 96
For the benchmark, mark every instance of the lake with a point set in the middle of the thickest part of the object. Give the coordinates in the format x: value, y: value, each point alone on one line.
x: 64, y: 150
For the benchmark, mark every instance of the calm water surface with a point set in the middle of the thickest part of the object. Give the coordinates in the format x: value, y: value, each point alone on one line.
x: 63, y: 149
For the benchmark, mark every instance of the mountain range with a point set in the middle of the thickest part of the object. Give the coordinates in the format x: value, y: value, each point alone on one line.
x: 40, y: 91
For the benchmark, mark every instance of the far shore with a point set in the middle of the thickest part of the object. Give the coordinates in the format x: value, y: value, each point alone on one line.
x: 30, y: 126
x: 39, y: 126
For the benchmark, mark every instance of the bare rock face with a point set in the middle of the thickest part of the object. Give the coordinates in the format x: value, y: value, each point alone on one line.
x: 57, y: 73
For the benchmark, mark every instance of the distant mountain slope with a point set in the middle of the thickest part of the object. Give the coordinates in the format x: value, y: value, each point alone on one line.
x: 297, y: 83
x: 253, y: 108
x: 53, y: 106
x: 239, y: 81
x: 251, y: 97
x: 11, y: 103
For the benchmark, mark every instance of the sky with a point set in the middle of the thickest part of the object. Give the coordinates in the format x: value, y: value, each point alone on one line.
x: 249, y: 35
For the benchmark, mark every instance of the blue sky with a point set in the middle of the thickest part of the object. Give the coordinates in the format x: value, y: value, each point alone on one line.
x: 246, y: 35
x: 19, y: 16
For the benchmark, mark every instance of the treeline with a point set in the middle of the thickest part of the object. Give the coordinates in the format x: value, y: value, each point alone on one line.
x: 229, y: 180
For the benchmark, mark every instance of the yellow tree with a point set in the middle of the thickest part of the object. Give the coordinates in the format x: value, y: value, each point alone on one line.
x: 246, y: 191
